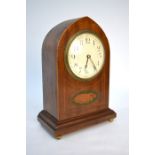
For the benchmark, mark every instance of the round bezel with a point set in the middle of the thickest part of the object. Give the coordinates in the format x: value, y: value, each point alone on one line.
x: 66, y: 56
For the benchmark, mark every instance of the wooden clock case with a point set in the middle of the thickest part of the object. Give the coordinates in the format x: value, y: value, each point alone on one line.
x: 60, y: 114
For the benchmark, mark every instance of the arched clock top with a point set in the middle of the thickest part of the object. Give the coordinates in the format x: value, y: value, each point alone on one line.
x: 63, y: 31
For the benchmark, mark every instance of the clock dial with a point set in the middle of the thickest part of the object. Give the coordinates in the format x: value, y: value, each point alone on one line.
x: 85, y: 55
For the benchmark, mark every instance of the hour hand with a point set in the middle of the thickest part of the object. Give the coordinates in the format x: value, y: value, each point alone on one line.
x: 86, y: 63
x: 88, y: 56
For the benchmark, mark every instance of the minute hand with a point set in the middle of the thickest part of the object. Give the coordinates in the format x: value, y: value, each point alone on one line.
x: 93, y: 64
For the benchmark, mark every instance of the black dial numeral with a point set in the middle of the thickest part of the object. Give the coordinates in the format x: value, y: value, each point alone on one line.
x: 100, y: 54
x: 98, y: 63
x: 73, y: 56
x: 75, y: 65
x: 98, y: 47
x: 94, y: 42
x: 87, y: 40
x: 80, y: 68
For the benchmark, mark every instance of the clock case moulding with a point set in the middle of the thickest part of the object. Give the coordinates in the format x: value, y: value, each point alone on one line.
x: 59, y: 114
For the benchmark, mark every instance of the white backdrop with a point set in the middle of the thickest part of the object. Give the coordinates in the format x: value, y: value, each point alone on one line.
x: 105, y: 138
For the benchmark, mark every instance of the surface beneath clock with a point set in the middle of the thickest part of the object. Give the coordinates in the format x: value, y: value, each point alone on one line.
x: 59, y: 128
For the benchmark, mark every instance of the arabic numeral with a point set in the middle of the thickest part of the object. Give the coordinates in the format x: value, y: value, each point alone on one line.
x: 94, y: 42
x: 100, y: 55
x: 98, y: 47
x: 87, y: 40
x: 73, y: 56
x: 98, y: 63
x: 75, y: 65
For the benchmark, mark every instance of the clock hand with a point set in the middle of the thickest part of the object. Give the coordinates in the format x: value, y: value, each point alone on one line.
x: 86, y: 63
x: 93, y: 64
x: 88, y: 56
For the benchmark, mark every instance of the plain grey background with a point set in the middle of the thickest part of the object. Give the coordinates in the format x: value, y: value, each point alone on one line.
x: 105, y: 138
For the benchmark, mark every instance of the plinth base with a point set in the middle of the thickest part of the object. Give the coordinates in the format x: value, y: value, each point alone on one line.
x: 59, y: 128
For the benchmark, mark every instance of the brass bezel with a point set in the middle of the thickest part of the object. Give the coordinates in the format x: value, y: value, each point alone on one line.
x: 66, y: 56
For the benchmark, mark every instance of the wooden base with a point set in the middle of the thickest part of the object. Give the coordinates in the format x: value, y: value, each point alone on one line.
x: 59, y: 128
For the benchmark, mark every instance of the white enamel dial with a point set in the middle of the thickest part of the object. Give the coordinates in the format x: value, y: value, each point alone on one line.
x: 85, y: 55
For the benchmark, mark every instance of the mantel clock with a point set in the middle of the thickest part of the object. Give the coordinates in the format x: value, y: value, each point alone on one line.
x: 75, y: 64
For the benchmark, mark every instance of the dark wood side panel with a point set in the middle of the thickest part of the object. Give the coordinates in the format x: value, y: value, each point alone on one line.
x: 49, y: 67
